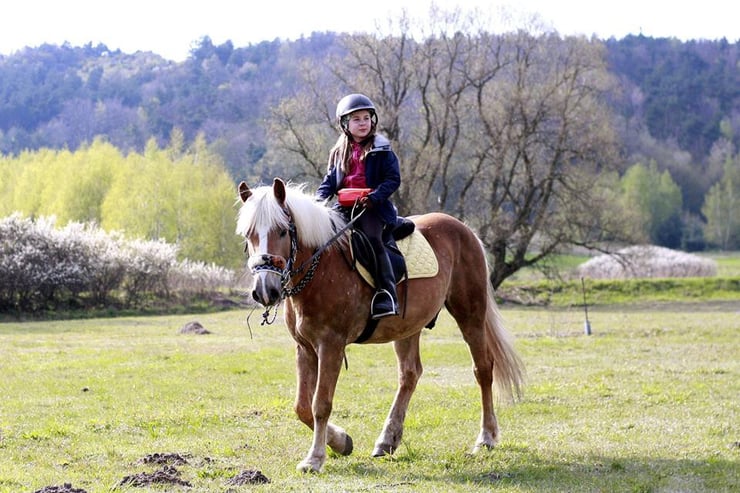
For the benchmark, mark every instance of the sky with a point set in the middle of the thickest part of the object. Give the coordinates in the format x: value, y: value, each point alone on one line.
x: 172, y: 28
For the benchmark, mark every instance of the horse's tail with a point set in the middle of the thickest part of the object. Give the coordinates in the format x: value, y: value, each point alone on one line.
x: 508, y: 369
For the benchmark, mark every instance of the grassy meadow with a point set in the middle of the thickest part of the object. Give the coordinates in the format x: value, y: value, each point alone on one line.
x: 648, y: 403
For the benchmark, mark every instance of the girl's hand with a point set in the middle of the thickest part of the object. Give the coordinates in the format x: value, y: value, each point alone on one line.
x: 366, y: 202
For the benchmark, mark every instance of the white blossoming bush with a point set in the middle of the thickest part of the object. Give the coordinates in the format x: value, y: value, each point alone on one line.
x: 198, y: 277
x: 39, y: 264
x: 647, y: 261
x: 42, y: 267
x: 108, y: 263
x: 148, y: 264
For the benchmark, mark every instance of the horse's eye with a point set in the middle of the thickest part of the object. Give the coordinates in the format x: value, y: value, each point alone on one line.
x: 283, y: 232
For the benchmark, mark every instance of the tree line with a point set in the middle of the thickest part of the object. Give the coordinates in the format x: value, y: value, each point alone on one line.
x: 539, y: 141
x: 181, y: 195
x: 677, y: 92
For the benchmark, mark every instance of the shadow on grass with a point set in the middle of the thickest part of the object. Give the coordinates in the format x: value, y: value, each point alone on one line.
x: 520, y: 468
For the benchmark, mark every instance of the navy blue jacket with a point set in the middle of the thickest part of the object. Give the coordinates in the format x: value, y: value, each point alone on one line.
x: 382, y: 174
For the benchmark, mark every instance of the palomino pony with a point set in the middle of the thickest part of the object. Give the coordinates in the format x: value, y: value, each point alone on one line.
x: 293, y: 256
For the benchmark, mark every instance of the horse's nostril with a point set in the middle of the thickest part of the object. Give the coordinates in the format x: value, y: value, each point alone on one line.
x: 274, y: 294
x: 254, y: 296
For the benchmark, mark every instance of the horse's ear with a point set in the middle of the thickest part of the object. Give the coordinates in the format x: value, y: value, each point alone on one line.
x: 278, y: 188
x: 244, y: 191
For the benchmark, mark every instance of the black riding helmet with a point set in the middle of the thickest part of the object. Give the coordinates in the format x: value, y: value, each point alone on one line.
x: 351, y: 103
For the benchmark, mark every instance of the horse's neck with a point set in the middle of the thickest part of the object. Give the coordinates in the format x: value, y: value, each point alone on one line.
x: 332, y: 271
x: 320, y: 310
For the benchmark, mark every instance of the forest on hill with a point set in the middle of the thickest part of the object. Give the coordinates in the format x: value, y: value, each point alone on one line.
x: 673, y: 106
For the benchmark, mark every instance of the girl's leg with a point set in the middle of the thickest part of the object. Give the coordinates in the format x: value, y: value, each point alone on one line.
x: 385, y: 300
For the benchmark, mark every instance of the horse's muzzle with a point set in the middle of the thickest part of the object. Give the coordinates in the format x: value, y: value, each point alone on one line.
x: 266, y: 299
x: 268, y: 271
x: 267, y: 290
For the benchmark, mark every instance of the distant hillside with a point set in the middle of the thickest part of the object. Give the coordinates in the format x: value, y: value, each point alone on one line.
x: 676, y: 101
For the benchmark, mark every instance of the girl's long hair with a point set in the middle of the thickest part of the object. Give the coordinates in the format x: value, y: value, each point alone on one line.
x: 340, y: 154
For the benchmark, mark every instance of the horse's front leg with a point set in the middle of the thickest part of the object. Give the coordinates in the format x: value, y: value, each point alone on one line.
x: 317, y: 380
x: 409, y: 372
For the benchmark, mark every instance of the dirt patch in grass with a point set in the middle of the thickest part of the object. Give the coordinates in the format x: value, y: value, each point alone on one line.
x: 169, y: 459
x: 248, y: 477
x: 194, y: 327
x: 65, y: 488
x: 166, y: 475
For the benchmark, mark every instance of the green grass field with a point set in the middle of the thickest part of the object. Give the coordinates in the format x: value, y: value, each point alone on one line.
x: 649, y: 403
x: 728, y: 263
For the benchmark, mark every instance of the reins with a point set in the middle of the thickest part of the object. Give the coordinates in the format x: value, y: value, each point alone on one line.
x: 314, y: 258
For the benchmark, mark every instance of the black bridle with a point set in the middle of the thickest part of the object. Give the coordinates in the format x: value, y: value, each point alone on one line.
x: 269, y: 263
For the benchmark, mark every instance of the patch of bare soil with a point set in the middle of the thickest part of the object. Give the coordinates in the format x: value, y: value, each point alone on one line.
x: 166, y: 475
x: 165, y: 459
x: 194, y: 327
x: 65, y: 488
x: 248, y: 477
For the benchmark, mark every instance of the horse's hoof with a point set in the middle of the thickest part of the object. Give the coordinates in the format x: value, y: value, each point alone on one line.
x: 349, y: 446
x: 308, y: 467
x: 479, y: 446
x: 382, y: 450
x: 486, y: 440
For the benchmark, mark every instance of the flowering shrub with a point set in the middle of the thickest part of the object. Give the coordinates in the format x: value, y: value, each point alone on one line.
x: 148, y: 264
x: 108, y: 264
x: 42, y: 267
x: 647, y: 261
x: 199, y: 277
x: 39, y: 264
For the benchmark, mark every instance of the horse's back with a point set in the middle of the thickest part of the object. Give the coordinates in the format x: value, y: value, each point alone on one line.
x: 444, y: 231
x: 459, y: 251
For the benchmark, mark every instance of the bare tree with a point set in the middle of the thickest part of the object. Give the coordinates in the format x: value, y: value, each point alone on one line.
x: 509, y: 132
x: 301, y: 129
x: 540, y: 140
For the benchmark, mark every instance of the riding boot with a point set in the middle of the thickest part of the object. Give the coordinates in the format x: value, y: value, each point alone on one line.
x: 385, y: 300
x: 403, y: 228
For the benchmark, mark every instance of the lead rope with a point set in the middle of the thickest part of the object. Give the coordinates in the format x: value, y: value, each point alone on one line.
x: 266, y: 320
x: 266, y: 314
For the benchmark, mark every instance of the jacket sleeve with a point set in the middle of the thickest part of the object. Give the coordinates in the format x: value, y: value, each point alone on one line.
x: 390, y: 176
x: 328, y: 187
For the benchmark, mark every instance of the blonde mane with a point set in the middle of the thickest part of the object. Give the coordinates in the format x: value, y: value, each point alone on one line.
x: 315, y: 223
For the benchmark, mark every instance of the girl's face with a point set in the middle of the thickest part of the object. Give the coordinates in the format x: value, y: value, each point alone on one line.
x: 360, y: 124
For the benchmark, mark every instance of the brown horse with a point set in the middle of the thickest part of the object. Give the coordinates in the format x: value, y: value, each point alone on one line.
x: 294, y: 257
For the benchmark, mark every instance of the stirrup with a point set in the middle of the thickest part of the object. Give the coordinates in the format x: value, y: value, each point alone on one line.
x: 383, y: 312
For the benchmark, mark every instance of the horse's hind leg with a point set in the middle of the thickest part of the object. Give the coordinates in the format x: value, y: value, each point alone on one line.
x: 472, y: 324
x: 483, y: 370
x: 409, y: 372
